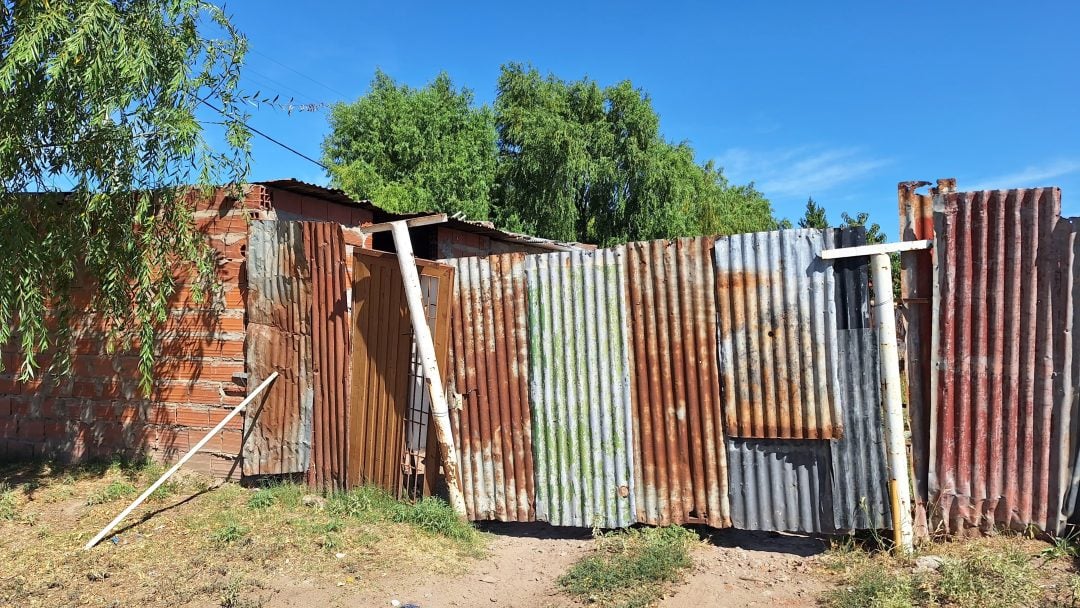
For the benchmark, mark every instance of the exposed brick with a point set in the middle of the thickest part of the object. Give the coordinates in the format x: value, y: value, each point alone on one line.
x: 9, y: 386
x: 217, y: 415
x: 20, y: 407
x: 192, y: 416
x: 31, y: 429
x: 5, y: 407
x: 186, y: 392
x: 161, y: 414
x: 84, y: 388
x: 55, y: 430
x: 203, y: 347
x: 8, y: 428
x: 198, y: 369
x: 232, y: 440
x: 208, y: 322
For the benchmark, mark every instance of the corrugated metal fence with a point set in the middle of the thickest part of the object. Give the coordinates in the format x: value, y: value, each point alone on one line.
x: 626, y: 396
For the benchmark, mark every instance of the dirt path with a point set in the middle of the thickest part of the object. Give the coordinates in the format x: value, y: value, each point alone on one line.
x: 734, y: 569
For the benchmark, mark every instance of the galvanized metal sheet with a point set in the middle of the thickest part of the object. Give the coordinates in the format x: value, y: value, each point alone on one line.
x: 490, y: 355
x: 324, y: 247
x: 681, y: 469
x: 278, y: 427
x: 778, y: 344
x: 995, y: 444
x: 860, y: 470
x: 579, y: 388
x: 780, y: 485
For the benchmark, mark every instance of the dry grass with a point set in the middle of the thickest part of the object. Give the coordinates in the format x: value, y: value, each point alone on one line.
x: 198, y: 544
x: 1008, y: 571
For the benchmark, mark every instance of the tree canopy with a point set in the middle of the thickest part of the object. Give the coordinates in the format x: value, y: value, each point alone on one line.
x: 564, y: 160
x: 814, y: 217
x: 98, y: 100
x: 414, y: 149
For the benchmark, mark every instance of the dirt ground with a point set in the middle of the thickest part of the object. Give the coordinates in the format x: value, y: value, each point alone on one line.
x: 731, y: 568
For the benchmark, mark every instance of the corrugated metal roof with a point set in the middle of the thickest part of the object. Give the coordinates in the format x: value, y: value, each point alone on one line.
x: 322, y: 192
x: 995, y: 450
x: 490, y: 354
x: 579, y: 388
x: 278, y: 429
x: 681, y: 470
x: 778, y: 344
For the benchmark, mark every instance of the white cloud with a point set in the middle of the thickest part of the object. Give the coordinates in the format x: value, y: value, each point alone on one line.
x: 798, y: 172
x: 1029, y: 177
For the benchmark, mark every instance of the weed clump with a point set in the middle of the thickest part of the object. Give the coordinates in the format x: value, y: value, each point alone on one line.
x: 8, y: 508
x: 116, y: 490
x: 631, y: 567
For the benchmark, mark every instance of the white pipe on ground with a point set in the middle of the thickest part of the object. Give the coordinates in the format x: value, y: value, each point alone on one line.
x: 180, y: 463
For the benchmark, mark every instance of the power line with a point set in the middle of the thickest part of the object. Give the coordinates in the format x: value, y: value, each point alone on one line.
x: 325, y: 86
x: 264, y: 135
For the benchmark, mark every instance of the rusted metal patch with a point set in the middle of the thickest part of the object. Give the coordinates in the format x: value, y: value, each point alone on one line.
x: 916, y: 293
x: 579, y: 388
x: 278, y: 428
x: 324, y: 248
x: 996, y: 421
x: 778, y: 341
x: 490, y: 354
x: 681, y: 467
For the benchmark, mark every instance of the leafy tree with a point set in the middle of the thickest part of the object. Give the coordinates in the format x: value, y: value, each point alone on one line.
x: 814, y: 216
x: 414, y: 149
x: 873, y: 229
x: 578, y: 161
x: 98, y: 100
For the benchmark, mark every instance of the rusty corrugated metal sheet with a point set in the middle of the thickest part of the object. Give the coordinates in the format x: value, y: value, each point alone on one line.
x: 324, y: 247
x: 916, y: 292
x: 860, y: 471
x: 681, y: 469
x: 278, y: 428
x: 579, y: 388
x: 778, y: 343
x: 819, y: 485
x: 490, y: 355
x: 995, y: 449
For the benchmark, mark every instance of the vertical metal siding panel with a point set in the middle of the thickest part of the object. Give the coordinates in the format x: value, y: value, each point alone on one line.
x: 493, y: 428
x: 680, y: 464
x: 778, y: 341
x: 997, y: 336
x: 780, y: 485
x: 324, y: 246
x: 278, y: 428
x: 860, y: 472
x: 577, y: 328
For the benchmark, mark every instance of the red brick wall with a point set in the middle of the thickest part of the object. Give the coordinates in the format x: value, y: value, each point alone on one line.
x: 99, y: 412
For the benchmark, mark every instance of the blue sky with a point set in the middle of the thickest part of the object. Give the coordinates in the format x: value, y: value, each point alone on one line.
x: 839, y: 101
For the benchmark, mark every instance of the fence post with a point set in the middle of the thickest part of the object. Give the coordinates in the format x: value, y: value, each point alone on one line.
x: 895, y: 444
x: 440, y: 411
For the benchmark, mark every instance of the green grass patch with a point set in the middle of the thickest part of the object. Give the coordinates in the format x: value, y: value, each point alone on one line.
x: 1001, y: 577
x: 229, y: 533
x: 116, y: 490
x: 286, y: 494
x: 631, y: 568
x: 8, y: 507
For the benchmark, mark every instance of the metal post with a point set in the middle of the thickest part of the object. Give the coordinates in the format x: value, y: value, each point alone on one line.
x: 440, y: 411
x: 895, y: 444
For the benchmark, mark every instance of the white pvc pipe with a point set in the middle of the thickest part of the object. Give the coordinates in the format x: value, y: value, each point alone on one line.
x: 440, y: 411
x: 895, y: 443
x: 180, y: 463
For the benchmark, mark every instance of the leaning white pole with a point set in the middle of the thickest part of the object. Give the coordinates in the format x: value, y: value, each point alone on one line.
x: 895, y: 444
x: 180, y: 463
x: 440, y: 411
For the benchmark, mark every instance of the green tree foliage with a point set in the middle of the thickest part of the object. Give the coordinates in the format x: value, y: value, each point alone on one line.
x: 873, y: 229
x: 565, y: 160
x: 98, y: 98
x: 578, y: 161
x: 414, y: 149
x: 814, y: 217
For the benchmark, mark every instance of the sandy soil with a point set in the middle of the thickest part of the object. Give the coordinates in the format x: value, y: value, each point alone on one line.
x: 732, y: 568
